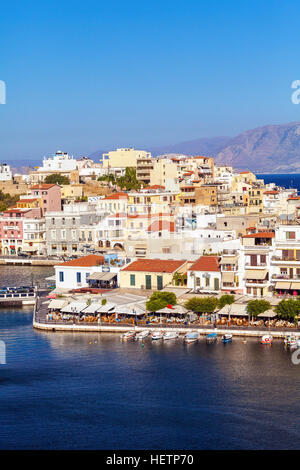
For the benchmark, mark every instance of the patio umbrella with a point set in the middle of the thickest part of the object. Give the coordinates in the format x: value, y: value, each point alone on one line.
x: 51, y: 296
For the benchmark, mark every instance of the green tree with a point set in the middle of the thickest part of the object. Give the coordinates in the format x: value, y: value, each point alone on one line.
x: 257, y: 306
x: 57, y: 179
x: 159, y: 300
x: 225, y: 299
x: 288, y: 309
x: 129, y: 180
x: 202, y: 305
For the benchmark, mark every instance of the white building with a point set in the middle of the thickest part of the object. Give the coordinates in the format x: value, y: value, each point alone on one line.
x: 5, y: 172
x: 60, y: 161
x: 205, y: 274
x: 76, y: 273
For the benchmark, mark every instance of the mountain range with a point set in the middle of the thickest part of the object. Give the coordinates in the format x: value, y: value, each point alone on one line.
x: 266, y: 149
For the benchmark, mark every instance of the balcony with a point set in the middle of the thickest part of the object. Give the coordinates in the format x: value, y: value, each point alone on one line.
x: 260, y: 265
x: 285, y: 259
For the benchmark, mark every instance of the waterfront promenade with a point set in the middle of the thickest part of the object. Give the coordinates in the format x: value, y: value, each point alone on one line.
x: 41, y: 322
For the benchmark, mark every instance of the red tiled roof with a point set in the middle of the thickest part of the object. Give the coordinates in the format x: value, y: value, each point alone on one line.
x: 206, y: 263
x: 271, y: 192
x: 119, y: 195
x: 85, y: 262
x: 244, y: 172
x: 294, y: 198
x: 260, y: 235
x: 43, y: 186
x: 27, y: 200
x: 155, y: 186
x: 160, y: 225
x: 154, y: 265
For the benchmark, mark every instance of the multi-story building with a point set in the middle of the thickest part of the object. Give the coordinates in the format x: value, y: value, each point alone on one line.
x: 50, y: 196
x: 12, y: 229
x: 286, y: 260
x: 124, y: 157
x: 257, y: 252
x: 64, y: 233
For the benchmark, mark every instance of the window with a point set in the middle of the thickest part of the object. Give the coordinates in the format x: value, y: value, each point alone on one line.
x: 63, y: 234
x: 53, y: 221
x: 78, y: 277
x: 61, y: 276
x: 290, y: 235
x: 132, y: 279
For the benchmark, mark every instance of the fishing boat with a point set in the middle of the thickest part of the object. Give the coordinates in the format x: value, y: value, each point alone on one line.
x: 129, y: 335
x: 266, y: 339
x: 292, y: 342
x: 211, y: 337
x: 157, y: 335
x: 171, y: 335
x: 227, y: 338
x: 191, y: 337
x: 142, y: 335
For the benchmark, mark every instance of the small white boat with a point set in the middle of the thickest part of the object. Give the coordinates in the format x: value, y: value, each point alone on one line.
x: 142, y: 335
x: 298, y: 342
x: 191, y: 337
x: 266, y: 339
x: 157, y: 335
x: 171, y: 335
x: 129, y: 335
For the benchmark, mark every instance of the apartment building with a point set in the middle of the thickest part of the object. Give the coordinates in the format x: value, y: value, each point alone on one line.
x: 64, y: 233
x: 124, y: 157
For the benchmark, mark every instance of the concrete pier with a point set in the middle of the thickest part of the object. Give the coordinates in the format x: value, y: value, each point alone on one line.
x: 181, y: 330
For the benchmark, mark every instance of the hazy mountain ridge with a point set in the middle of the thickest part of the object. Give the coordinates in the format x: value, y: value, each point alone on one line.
x: 266, y: 149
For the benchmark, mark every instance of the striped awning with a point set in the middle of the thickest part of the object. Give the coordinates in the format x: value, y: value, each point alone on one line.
x: 282, y: 285
x: 256, y: 274
x: 227, y: 276
x: 295, y: 285
x: 229, y: 260
x: 102, y: 276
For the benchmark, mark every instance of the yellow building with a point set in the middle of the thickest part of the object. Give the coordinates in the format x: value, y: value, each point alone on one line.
x: 71, y: 192
x: 152, y: 274
x: 124, y: 157
x: 163, y: 169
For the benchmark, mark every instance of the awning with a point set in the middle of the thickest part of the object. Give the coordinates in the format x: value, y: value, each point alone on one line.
x: 229, y: 260
x: 29, y: 248
x: 106, y: 308
x: 102, y: 276
x: 227, y: 276
x: 124, y: 309
x: 234, y: 310
x: 51, y: 278
x: 295, y: 285
x: 256, y: 274
x: 57, y: 304
x: 74, y: 307
x: 92, y: 308
x: 267, y: 314
x: 176, y: 310
x: 282, y: 285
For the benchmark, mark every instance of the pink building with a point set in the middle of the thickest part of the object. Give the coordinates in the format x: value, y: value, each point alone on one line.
x: 50, y: 196
x: 11, y: 228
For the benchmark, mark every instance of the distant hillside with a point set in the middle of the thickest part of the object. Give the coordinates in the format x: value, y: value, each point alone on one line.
x: 206, y: 146
x: 273, y: 149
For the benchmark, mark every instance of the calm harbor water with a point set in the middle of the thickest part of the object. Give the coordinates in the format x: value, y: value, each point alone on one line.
x: 90, y: 391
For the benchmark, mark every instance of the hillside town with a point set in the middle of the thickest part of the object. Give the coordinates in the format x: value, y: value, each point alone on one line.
x: 132, y: 221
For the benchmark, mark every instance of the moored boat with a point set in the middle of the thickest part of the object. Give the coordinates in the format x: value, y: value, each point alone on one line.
x: 227, y: 338
x: 129, y: 335
x: 157, y: 335
x: 191, y: 337
x: 211, y: 337
x: 171, y: 335
x: 266, y: 339
x: 142, y: 335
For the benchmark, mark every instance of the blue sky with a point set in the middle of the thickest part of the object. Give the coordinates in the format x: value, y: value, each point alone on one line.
x: 83, y: 76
